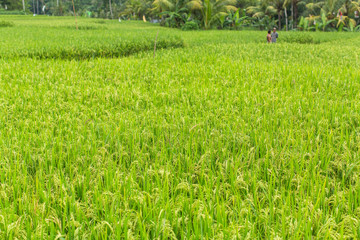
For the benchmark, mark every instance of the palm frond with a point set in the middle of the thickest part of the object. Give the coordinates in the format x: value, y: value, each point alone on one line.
x: 195, y: 5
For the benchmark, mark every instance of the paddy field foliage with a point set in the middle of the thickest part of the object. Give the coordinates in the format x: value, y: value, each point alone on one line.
x: 219, y: 136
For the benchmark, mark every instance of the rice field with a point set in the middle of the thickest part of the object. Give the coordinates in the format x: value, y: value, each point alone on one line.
x: 217, y: 136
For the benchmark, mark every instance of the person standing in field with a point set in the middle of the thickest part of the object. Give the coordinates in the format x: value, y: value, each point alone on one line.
x: 268, y: 37
x: 274, y: 36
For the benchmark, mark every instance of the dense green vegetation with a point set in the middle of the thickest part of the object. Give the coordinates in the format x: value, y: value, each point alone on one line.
x: 93, y: 39
x: 225, y: 138
x: 296, y: 15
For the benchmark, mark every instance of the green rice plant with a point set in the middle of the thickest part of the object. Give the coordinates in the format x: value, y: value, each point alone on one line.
x: 100, y: 21
x: 299, y: 37
x: 225, y: 138
x: 6, y: 24
x: 121, y: 49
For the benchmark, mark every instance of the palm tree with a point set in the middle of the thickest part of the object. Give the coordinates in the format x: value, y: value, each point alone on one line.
x: 212, y: 10
x: 286, y: 3
x: 176, y: 10
x: 137, y: 8
x: 314, y: 8
x: 162, y: 5
x: 111, y: 13
x: 329, y: 8
x: 269, y: 7
x: 355, y: 5
x: 294, y: 10
x: 278, y: 6
x: 346, y: 7
x: 325, y: 11
x: 261, y: 10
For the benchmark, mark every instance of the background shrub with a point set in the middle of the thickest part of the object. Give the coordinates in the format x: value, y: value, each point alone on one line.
x: 189, y: 26
x: 11, y: 12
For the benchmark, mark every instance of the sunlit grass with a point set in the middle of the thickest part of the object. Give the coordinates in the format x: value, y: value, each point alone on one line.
x: 223, y: 139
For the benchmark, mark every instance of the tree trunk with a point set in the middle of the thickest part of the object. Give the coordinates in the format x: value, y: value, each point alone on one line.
x: 57, y: 3
x: 295, y: 13
x: 75, y: 15
x: 292, y: 14
x: 279, y: 18
x: 111, y: 13
x: 286, y: 18
x: 23, y: 2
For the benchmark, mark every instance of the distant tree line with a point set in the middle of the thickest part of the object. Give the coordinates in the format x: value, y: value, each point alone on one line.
x: 305, y: 15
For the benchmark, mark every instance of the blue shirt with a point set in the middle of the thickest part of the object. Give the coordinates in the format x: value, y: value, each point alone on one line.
x: 274, y: 36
